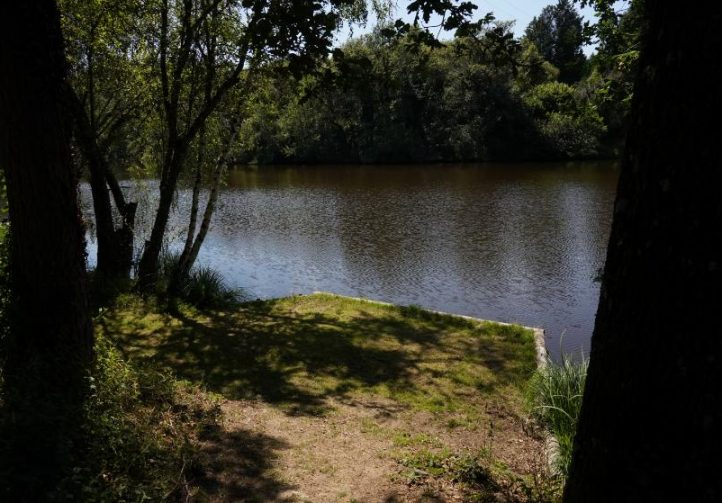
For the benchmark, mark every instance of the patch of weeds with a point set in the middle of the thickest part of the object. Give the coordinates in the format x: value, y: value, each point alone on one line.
x: 466, y: 421
x: 479, y: 470
x: 476, y: 471
x: 203, y: 287
x: 426, y: 463
x: 405, y: 439
x: 140, y: 427
x: 482, y: 476
x: 425, y: 399
x: 369, y: 426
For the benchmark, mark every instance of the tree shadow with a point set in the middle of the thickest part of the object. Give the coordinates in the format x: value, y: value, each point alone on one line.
x: 238, y: 466
x: 297, y: 360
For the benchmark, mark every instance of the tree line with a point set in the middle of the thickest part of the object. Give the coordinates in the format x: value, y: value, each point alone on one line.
x: 389, y: 97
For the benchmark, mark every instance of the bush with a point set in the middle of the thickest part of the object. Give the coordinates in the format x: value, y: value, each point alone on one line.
x: 139, y: 428
x: 556, y: 398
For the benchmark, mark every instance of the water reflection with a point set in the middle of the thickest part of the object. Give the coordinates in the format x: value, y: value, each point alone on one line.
x: 517, y: 243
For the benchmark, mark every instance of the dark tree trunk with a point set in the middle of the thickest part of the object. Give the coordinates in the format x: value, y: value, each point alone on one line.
x: 49, y: 350
x: 651, y: 422
x: 148, y: 267
x: 115, y: 246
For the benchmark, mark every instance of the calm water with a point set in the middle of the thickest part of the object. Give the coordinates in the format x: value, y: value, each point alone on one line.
x: 517, y: 243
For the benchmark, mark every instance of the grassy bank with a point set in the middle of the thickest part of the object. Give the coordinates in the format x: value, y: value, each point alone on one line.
x: 424, y: 405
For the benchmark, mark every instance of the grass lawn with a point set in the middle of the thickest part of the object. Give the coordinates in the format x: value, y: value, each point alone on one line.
x: 328, y: 398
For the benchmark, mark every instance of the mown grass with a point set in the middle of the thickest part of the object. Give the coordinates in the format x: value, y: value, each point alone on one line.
x: 298, y: 351
x: 555, y: 393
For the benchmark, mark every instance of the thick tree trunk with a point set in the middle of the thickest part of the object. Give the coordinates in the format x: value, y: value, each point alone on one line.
x: 50, y: 345
x: 651, y: 421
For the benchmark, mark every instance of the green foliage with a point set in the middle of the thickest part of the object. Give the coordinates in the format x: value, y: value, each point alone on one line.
x: 139, y: 427
x: 555, y: 395
x: 570, y: 124
x: 558, y: 34
x: 614, y: 66
x: 387, y: 99
x: 203, y: 288
x: 4, y: 290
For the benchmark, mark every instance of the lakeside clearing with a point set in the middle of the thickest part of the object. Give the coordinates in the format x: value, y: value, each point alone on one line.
x: 327, y: 398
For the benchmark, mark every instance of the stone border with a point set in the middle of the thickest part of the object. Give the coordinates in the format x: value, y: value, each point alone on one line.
x: 551, y: 445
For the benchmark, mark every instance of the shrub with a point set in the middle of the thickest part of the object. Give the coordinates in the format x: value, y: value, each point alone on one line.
x: 569, y: 124
x: 205, y: 288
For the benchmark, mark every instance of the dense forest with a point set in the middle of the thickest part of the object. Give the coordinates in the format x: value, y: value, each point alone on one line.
x: 390, y: 97
x: 485, y: 96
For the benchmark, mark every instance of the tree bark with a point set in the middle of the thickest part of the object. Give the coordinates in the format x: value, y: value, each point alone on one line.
x: 193, y: 247
x: 651, y: 421
x: 115, y: 246
x: 50, y: 346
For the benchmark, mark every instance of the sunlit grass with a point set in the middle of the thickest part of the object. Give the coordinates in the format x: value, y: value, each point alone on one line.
x: 296, y: 352
x: 556, y: 396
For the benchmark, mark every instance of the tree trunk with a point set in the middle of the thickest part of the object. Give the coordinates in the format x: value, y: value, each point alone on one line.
x: 188, y: 259
x: 651, y: 421
x: 197, y: 185
x: 49, y: 349
x: 148, y: 267
x: 115, y: 247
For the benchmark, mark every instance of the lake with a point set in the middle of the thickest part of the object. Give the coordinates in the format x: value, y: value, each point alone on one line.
x: 510, y: 242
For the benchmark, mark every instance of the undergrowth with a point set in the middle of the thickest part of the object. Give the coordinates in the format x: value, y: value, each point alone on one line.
x: 483, y: 477
x: 140, y: 425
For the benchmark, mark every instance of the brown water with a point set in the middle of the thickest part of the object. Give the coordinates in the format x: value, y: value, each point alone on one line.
x: 510, y: 242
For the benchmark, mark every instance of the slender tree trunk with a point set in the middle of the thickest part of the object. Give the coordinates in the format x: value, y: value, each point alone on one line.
x: 197, y: 185
x: 49, y: 350
x: 188, y: 259
x: 115, y: 247
x: 148, y: 267
x: 651, y: 422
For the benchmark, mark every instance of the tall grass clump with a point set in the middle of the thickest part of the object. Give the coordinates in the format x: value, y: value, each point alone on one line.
x: 203, y: 287
x: 555, y: 394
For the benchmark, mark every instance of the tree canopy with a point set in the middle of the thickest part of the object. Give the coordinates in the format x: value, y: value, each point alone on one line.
x: 558, y: 34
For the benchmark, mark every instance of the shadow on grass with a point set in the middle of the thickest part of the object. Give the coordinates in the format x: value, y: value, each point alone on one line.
x: 297, y: 359
x: 239, y: 467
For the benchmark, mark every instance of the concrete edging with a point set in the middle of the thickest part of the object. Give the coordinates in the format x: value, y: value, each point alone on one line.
x: 551, y: 445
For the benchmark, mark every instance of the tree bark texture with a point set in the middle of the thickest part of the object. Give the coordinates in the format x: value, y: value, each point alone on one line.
x: 50, y: 347
x: 651, y: 421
